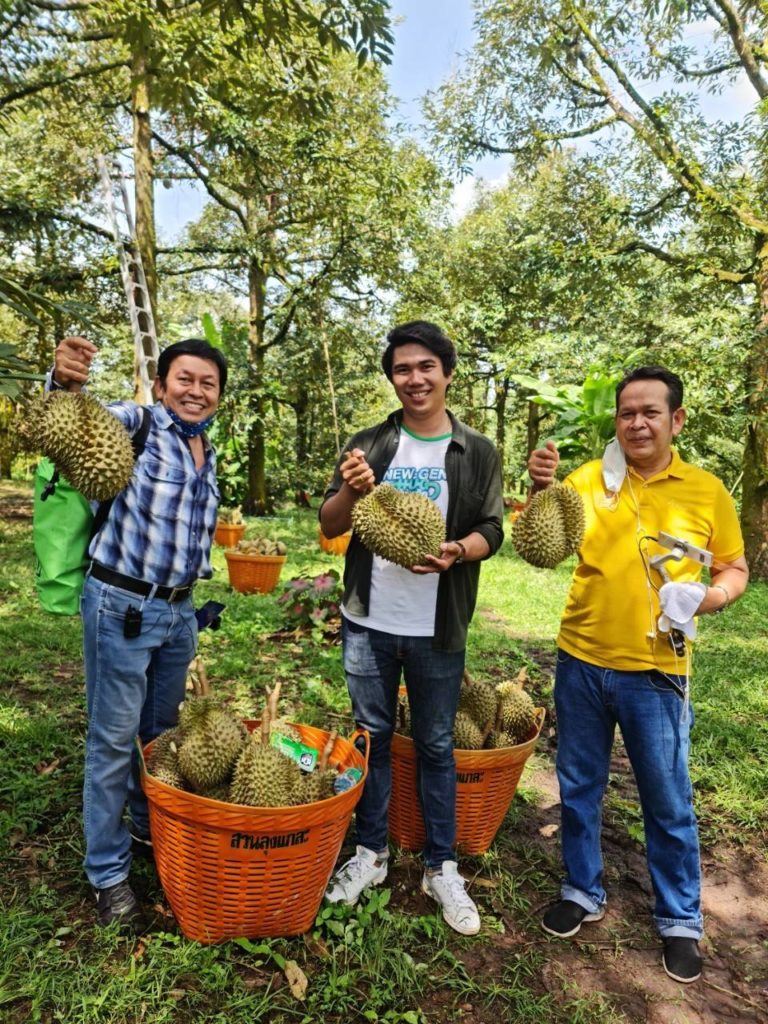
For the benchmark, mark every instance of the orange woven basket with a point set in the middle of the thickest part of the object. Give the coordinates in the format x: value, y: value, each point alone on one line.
x: 228, y: 534
x: 335, y: 545
x: 230, y: 871
x: 254, y: 574
x: 486, y: 781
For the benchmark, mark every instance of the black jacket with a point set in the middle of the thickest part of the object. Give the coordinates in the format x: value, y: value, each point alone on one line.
x: 473, y: 471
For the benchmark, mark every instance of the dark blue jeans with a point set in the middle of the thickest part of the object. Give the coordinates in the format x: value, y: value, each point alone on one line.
x: 655, y: 724
x: 374, y: 662
x: 133, y: 688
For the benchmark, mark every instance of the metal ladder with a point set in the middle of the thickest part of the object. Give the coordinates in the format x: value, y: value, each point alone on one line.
x: 146, y: 351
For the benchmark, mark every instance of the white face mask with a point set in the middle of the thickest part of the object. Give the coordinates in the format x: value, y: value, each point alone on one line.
x: 614, y: 466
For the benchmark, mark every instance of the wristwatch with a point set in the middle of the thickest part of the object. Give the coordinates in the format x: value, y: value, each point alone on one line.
x: 463, y: 554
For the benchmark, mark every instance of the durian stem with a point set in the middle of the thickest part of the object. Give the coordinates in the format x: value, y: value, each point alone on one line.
x: 468, y: 680
x: 489, y: 727
x: 273, y: 696
x: 205, y: 686
x: 330, y: 743
x: 266, y: 724
x: 522, y: 678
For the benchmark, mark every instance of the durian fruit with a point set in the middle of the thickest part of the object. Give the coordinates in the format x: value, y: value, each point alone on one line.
x: 230, y: 516
x: 210, y: 747
x: 263, y: 777
x: 572, y: 508
x: 163, y: 762
x: 550, y: 528
x: 403, y: 722
x: 479, y: 700
x: 88, y: 445
x: 318, y: 785
x: 467, y: 735
x: 402, y: 528
x: 260, y: 546
x: 517, y: 713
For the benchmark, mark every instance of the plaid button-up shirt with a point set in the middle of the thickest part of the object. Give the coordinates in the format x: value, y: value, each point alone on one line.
x: 160, y: 527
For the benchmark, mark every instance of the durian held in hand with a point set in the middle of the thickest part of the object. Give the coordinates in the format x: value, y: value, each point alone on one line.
x: 211, y: 753
x: 88, y: 445
x: 490, y: 717
x: 550, y: 527
x: 399, y: 527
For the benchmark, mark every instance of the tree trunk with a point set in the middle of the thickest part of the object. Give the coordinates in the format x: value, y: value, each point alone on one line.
x: 754, y: 487
x: 143, y: 167
x: 502, y: 393
x: 258, y: 501
x: 532, y: 427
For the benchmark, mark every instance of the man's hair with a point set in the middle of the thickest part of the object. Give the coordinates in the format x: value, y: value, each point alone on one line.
x: 673, y: 382
x: 422, y: 332
x: 192, y: 347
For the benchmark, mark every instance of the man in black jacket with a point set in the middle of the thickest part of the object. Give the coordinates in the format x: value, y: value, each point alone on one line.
x: 414, y: 621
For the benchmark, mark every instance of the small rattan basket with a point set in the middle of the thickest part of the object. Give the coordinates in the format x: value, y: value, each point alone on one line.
x: 254, y: 574
x: 486, y: 781
x: 228, y: 534
x: 230, y: 871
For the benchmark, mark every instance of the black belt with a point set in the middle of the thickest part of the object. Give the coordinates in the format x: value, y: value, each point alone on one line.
x: 116, y: 579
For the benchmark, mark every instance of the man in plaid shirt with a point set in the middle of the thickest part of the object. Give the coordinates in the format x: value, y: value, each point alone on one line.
x: 139, y: 626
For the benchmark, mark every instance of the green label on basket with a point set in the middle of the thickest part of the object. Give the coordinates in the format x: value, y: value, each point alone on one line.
x: 304, y: 756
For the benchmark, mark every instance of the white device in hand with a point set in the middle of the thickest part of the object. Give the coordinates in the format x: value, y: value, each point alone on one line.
x: 687, y: 550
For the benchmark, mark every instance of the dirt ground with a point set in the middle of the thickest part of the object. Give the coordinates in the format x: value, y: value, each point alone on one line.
x: 619, y: 956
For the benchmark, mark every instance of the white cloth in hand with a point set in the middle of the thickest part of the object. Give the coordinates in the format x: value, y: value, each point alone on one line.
x: 679, y: 603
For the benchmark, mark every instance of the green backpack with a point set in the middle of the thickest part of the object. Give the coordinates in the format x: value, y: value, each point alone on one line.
x: 63, y: 525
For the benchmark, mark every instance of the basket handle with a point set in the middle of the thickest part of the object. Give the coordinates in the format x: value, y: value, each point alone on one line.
x: 366, y: 736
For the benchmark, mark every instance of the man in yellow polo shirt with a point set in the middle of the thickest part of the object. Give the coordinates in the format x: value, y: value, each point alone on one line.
x: 624, y: 655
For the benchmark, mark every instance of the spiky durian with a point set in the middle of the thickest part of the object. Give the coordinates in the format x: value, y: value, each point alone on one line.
x: 163, y: 762
x: 538, y: 533
x: 480, y: 701
x: 88, y: 445
x: 316, y: 786
x: 572, y: 508
x: 403, y: 725
x: 517, y: 711
x: 402, y: 528
x: 466, y: 734
x: 211, y: 748
x: 263, y: 777
x: 497, y: 740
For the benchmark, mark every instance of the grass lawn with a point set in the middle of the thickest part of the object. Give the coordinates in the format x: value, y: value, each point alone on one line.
x: 391, y: 959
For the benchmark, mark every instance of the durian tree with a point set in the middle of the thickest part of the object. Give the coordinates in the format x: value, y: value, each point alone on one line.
x: 302, y: 213
x: 630, y: 77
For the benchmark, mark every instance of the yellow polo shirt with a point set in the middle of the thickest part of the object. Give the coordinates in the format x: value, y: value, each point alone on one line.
x: 611, y: 607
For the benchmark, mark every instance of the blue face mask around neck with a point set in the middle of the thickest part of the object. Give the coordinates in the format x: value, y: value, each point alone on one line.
x: 189, y: 429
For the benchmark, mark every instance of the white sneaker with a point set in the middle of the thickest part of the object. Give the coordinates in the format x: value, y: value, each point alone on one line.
x: 364, y: 869
x: 448, y: 888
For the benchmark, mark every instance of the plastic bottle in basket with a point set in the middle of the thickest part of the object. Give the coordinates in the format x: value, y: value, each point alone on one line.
x: 346, y: 780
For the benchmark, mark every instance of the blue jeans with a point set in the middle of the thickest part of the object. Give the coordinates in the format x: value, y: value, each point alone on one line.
x: 373, y: 662
x: 133, y: 688
x: 655, y: 725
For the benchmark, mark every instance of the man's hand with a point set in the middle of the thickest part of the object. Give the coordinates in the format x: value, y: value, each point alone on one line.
x: 449, y: 552
x: 542, y: 465
x: 72, y: 362
x: 356, y: 473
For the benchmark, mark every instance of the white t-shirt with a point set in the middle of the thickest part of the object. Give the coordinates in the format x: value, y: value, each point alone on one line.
x: 402, y: 602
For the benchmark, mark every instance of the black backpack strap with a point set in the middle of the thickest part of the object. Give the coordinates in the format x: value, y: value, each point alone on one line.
x: 50, y: 487
x: 138, y: 441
